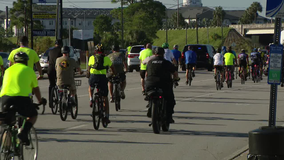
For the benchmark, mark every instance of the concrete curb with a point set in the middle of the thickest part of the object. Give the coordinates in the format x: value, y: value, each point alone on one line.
x: 237, y: 153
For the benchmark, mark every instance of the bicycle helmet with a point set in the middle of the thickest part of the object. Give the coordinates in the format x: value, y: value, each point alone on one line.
x: 165, y: 45
x: 115, y: 47
x: 99, y: 47
x: 21, y: 57
x: 59, y: 42
x: 176, y: 46
x: 65, y: 50
x: 159, y: 51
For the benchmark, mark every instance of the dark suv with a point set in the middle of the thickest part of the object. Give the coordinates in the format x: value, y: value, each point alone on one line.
x: 204, y: 54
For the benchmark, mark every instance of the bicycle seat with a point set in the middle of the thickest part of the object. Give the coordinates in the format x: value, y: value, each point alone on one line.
x: 155, y: 92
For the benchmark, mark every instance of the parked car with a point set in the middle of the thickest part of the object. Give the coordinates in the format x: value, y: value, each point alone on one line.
x: 44, y: 61
x: 204, y: 54
x: 133, y: 61
x: 5, y: 56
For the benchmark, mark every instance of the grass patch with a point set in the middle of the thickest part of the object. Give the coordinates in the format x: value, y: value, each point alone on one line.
x: 179, y: 37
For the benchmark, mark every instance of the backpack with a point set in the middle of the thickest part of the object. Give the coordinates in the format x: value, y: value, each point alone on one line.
x: 99, y: 62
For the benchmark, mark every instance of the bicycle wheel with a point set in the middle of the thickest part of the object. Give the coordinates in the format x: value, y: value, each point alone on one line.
x: 104, y: 119
x: 54, y: 100
x: 190, y: 77
x: 96, y: 113
x: 218, y: 81
x: 155, y: 117
x: 74, y: 108
x: 31, y: 152
x: 117, y: 97
x: 6, y: 145
x: 63, y: 109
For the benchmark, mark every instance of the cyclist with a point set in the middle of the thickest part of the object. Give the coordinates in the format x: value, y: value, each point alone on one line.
x: 255, y: 60
x: 53, y: 54
x: 33, y: 57
x: 229, y: 58
x: 97, y: 67
x: 224, y: 50
x: 262, y: 61
x: 218, y: 64
x: 177, y: 55
x: 65, y: 72
x: 143, y: 55
x: 18, y: 84
x: 119, y: 64
x: 190, y: 62
x: 243, y: 62
x: 159, y: 74
x: 169, y: 54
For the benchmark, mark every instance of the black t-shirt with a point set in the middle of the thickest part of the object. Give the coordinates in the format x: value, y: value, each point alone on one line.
x: 159, y: 70
x: 52, y: 56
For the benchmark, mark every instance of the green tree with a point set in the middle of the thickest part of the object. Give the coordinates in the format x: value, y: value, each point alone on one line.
x: 218, y: 16
x: 102, y: 24
x: 251, y: 13
x: 173, y: 21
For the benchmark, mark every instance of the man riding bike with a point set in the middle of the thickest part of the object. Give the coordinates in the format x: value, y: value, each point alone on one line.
x: 169, y: 56
x: 18, y: 84
x: 177, y: 55
x: 120, y: 66
x: 218, y: 64
x: 98, y: 65
x: 159, y: 74
x: 255, y: 60
x: 65, y: 67
x: 243, y: 63
x: 262, y: 61
x: 229, y: 58
x: 190, y: 62
x: 33, y: 57
x: 143, y: 55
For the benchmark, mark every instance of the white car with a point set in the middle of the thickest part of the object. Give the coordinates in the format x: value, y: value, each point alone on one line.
x: 133, y: 61
x: 44, y: 62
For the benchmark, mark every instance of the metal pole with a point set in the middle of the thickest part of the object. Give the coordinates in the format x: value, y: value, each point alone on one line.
x: 196, y: 30
x: 84, y: 31
x: 166, y: 29
x: 177, y: 12
x: 186, y: 34
x: 61, y: 20
x: 122, y: 27
x: 56, y: 21
x: 222, y: 28
x: 274, y: 87
x: 7, y: 20
x: 207, y: 34
x: 32, y: 24
x: 69, y: 31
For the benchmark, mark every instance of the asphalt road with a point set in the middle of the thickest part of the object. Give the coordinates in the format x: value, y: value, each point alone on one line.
x: 209, y: 124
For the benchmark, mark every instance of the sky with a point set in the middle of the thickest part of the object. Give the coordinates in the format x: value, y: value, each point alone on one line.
x: 226, y: 4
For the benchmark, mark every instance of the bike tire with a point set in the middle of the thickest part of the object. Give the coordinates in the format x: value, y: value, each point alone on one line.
x: 63, y: 110
x: 166, y: 127
x: 155, y: 117
x: 54, y: 100
x: 104, y: 121
x: 190, y: 77
x: 74, y: 109
x: 31, y: 152
x: 116, y: 97
x: 6, y: 147
x: 96, y: 113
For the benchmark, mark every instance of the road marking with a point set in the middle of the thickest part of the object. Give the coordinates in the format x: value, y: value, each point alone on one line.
x: 80, y: 126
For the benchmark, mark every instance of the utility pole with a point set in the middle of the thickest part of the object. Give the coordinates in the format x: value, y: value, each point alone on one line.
x: 57, y: 20
x: 196, y: 30
x: 222, y: 28
x: 167, y: 29
x: 186, y: 34
x: 61, y: 20
x: 7, y: 20
x: 177, y: 12
x: 25, y: 12
x: 32, y: 24
x: 69, y: 31
x: 122, y: 34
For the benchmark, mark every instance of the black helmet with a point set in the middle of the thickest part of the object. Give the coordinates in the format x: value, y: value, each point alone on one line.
x: 65, y: 49
x: 99, y: 48
x: 59, y: 42
x: 159, y: 51
x: 115, y: 47
x: 21, y: 57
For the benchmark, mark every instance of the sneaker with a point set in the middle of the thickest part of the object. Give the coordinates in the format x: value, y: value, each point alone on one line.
x: 107, y: 120
x: 24, y: 138
x: 146, y: 98
x: 171, y: 120
x: 176, y: 83
x: 186, y: 82
x: 122, y: 95
x: 111, y: 100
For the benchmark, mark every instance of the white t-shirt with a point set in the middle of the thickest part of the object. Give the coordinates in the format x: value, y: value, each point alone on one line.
x: 169, y: 56
x: 218, y: 59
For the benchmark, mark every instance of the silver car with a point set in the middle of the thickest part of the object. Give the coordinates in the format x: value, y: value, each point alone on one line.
x: 133, y: 61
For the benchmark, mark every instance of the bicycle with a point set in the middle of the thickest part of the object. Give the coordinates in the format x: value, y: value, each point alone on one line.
x: 218, y: 80
x: 65, y: 102
x: 98, y: 109
x: 117, y: 91
x: 190, y: 75
x: 11, y: 146
x: 229, y: 77
x: 236, y: 71
x: 255, y: 75
x: 54, y: 99
x: 43, y: 107
x: 242, y: 75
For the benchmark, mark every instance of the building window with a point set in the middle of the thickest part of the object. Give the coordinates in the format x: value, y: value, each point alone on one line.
x: 72, y: 23
x: 51, y: 23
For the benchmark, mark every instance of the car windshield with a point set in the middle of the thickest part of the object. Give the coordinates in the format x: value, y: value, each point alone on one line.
x: 136, y: 49
x: 4, y: 55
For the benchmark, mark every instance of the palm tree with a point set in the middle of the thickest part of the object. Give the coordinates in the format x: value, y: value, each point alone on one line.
x: 218, y: 16
x: 254, y: 8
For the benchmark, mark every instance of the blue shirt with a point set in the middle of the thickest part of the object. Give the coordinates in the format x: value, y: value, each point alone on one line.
x: 190, y: 57
x: 177, y: 54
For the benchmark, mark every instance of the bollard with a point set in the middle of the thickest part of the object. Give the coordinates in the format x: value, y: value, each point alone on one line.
x: 266, y: 143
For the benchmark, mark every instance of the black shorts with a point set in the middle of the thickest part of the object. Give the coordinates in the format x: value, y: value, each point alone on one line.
x: 102, y: 81
x: 22, y: 105
x: 143, y: 74
x: 243, y: 64
x: 230, y: 68
x: 190, y: 66
x: 220, y: 68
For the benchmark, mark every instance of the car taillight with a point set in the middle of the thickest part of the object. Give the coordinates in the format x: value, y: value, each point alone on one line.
x: 132, y: 55
x: 207, y: 55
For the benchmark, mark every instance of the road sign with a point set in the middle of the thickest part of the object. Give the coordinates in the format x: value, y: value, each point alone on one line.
x: 44, y: 1
x: 275, y: 8
x: 275, y: 64
x: 45, y: 32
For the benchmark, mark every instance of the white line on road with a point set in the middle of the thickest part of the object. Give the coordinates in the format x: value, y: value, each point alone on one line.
x: 80, y: 126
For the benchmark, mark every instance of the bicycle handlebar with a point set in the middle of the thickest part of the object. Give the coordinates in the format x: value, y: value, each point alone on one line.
x: 43, y: 102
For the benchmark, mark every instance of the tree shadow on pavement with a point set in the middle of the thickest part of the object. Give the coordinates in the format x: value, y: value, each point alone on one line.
x: 241, y: 114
